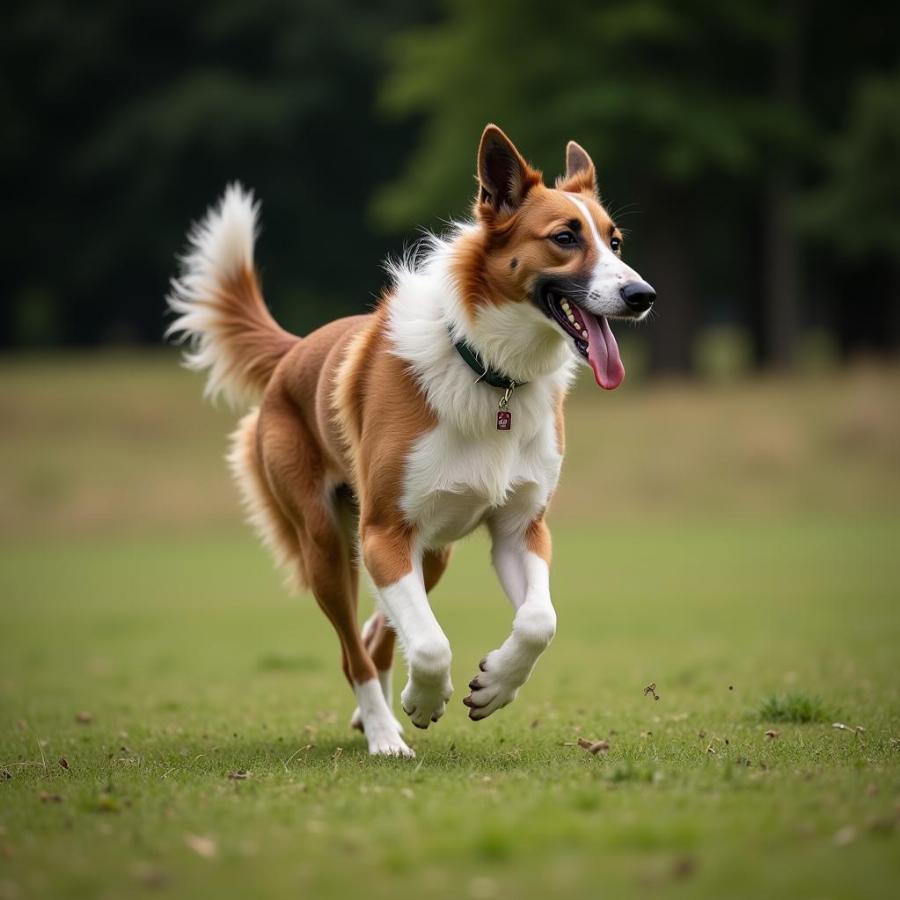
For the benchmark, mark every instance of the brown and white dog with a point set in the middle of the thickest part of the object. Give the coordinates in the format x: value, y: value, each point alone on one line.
x: 375, y: 442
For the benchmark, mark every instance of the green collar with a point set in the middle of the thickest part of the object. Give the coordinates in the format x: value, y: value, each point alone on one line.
x: 485, y: 373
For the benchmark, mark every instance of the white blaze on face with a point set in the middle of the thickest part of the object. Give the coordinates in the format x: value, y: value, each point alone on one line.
x: 610, y: 273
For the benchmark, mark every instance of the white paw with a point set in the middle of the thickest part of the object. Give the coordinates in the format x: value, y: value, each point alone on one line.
x: 377, y: 721
x: 385, y: 740
x: 495, y: 686
x: 425, y: 703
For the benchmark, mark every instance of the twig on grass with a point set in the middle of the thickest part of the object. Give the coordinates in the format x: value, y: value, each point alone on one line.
x: 295, y: 753
x: 28, y: 762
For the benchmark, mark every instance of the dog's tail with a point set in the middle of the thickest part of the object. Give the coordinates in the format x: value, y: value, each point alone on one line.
x: 221, y: 312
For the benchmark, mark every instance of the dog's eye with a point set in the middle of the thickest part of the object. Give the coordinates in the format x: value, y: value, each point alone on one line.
x: 565, y: 238
x: 615, y: 245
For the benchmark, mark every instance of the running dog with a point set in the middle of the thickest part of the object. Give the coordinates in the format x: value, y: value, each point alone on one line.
x: 379, y: 440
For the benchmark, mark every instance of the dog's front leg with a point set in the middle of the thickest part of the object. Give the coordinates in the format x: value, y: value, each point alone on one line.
x: 522, y: 559
x: 395, y: 564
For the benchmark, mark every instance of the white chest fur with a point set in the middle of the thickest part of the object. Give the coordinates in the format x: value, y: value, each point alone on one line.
x: 464, y: 467
x: 454, y: 479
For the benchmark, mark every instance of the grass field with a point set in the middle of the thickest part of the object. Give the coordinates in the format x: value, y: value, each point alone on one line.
x: 173, y: 724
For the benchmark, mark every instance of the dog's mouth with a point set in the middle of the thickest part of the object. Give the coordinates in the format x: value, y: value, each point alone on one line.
x: 591, y: 334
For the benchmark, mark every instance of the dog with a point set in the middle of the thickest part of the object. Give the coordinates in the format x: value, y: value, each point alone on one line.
x: 379, y: 440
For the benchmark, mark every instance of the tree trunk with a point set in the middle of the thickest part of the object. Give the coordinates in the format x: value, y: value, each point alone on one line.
x: 672, y: 244
x: 781, y: 322
x: 781, y: 250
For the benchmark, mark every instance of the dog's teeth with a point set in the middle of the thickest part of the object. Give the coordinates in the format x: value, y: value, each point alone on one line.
x: 565, y: 305
x: 571, y: 318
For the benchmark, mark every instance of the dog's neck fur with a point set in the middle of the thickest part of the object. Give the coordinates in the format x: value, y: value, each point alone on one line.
x: 426, y: 314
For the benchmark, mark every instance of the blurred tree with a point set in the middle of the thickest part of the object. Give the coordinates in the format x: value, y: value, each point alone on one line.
x: 856, y: 208
x: 778, y: 319
x: 122, y: 122
x: 855, y: 215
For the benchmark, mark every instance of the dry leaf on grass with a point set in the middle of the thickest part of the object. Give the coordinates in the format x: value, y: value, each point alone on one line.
x: 883, y: 824
x: 772, y: 734
x: 51, y: 798
x: 201, y: 845
x: 594, y: 747
x: 844, y: 836
x: 651, y: 689
x: 240, y: 775
x: 684, y: 867
x: 64, y: 762
x: 149, y: 876
x: 84, y: 718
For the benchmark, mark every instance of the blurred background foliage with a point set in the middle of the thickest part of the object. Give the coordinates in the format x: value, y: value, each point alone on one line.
x: 749, y: 148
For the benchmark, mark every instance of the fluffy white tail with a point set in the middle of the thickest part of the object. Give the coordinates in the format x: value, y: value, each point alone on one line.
x: 220, y: 308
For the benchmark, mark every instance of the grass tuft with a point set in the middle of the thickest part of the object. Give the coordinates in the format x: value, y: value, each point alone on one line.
x: 797, y: 707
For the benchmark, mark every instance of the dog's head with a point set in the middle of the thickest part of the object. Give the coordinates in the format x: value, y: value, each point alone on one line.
x: 547, y: 262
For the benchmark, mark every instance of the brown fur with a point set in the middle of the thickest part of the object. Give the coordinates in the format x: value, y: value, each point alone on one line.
x: 253, y: 342
x: 321, y: 425
x: 537, y: 539
x: 517, y: 229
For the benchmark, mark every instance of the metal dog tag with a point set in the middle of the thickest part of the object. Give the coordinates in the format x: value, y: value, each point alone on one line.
x: 504, y: 416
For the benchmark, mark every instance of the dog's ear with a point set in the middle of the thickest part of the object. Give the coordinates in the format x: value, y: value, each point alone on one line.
x: 504, y: 178
x: 581, y: 175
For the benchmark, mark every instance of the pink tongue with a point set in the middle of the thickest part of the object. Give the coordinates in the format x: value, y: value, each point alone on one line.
x: 603, y: 352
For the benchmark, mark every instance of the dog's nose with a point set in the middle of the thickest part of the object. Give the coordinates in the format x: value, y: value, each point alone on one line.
x: 638, y: 295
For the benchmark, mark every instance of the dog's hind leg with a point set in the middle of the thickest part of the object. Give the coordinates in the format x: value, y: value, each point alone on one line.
x: 294, y: 474
x: 379, y: 640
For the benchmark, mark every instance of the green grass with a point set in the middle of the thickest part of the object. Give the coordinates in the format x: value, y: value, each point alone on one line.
x: 795, y: 707
x: 192, y: 665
